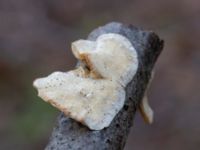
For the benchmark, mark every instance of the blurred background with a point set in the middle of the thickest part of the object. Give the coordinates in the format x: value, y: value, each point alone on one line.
x: 35, y: 37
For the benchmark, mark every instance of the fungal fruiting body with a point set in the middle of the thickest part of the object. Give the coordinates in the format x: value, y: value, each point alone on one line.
x: 144, y: 107
x: 94, y: 92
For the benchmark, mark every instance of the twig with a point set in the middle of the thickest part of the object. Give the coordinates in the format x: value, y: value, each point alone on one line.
x: 71, y: 135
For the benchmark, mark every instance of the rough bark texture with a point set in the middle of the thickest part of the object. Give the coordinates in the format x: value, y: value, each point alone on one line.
x: 71, y: 135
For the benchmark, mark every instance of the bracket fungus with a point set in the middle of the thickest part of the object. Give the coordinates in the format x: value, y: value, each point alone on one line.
x: 94, y: 92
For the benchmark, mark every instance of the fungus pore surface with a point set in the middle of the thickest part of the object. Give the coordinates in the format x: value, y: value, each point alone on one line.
x: 94, y: 92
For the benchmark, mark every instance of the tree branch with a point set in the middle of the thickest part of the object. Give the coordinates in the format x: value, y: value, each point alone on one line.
x: 71, y: 135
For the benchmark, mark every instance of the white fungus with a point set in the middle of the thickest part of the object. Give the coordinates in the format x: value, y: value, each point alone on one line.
x: 94, y: 92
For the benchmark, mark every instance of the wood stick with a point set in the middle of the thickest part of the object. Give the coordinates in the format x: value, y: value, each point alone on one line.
x: 71, y: 135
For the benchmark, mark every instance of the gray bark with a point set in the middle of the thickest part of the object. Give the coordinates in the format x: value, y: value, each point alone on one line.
x: 71, y: 135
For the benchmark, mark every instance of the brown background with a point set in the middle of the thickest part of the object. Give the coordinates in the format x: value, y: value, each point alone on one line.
x: 35, y: 37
